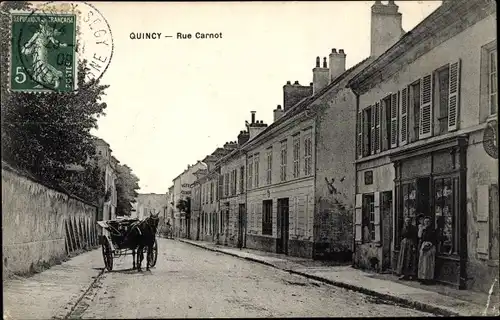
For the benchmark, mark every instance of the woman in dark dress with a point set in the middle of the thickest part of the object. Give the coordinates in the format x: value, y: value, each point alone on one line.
x: 427, y: 259
x: 407, y: 260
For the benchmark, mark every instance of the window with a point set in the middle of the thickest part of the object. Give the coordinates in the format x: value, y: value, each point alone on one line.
x: 368, y: 223
x: 231, y: 182
x: 242, y: 179
x: 414, y: 111
x: 446, y: 223
x: 283, y: 155
x: 256, y: 168
x: 250, y: 172
x: 221, y: 183
x: 308, y: 154
x: 211, y: 192
x: 367, y: 134
x: 296, y: 155
x: 235, y: 181
x: 267, y: 217
x: 269, y: 172
x: 492, y: 83
x: 226, y: 184
x: 386, y: 123
x: 442, y: 92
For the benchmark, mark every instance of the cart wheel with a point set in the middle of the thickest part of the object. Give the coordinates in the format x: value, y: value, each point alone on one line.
x: 107, y: 255
x: 154, y: 256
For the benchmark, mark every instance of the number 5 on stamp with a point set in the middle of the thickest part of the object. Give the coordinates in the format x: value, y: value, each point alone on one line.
x: 43, y: 52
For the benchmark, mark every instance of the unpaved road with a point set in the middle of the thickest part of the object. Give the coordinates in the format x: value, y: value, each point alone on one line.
x: 189, y: 282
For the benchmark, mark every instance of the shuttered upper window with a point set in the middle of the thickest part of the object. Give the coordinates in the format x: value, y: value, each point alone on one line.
x: 419, y: 110
x: 493, y: 82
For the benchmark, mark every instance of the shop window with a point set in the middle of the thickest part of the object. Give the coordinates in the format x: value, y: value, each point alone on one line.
x: 445, y: 210
x: 368, y: 223
x: 267, y: 213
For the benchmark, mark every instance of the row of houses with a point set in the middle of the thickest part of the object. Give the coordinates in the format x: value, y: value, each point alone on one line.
x: 107, y: 163
x: 411, y: 129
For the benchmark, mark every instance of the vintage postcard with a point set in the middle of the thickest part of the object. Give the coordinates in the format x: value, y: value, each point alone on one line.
x: 249, y: 159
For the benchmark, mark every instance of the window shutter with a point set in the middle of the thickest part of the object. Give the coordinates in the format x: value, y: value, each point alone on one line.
x: 376, y: 221
x: 358, y: 218
x: 426, y: 114
x: 483, y: 211
x: 359, y: 141
x: 394, y: 120
x: 403, y: 138
x: 378, y: 111
x: 372, y: 130
x: 454, y: 97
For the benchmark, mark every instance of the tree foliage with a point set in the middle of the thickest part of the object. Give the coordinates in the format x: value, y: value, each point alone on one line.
x: 184, y: 205
x: 43, y: 133
x: 127, y: 185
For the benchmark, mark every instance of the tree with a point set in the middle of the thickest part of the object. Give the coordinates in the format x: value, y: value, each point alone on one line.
x: 127, y: 185
x: 184, y: 205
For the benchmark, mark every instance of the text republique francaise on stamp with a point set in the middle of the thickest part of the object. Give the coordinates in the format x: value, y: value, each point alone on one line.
x: 49, y: 42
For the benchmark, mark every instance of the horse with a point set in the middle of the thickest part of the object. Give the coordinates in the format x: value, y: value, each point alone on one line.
x: 143, y: 235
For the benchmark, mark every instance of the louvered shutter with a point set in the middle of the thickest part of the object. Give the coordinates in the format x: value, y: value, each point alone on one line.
x: 378, y: 109
x: 359, y: 140
x: 372, y: 129
x: 394, y: 120
x: 426, y: 114
x: 454, y: 96
x: 483, y: 212
x: 376, y: 217
x: 403, y: 120
x: 358, y: 231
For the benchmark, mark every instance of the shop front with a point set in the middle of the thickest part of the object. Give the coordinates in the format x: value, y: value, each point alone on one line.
x: 430, y: 180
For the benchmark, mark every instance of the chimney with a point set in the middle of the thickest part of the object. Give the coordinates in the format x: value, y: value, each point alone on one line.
x: 292, y: 94
x: 243, y: 137
x: 255, y: 127
x: 278, y: 112
x: 320, y: 76
x: 337, y: 63
x: 386, y: 27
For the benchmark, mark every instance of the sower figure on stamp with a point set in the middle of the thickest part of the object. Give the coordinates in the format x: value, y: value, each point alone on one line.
x: 407, y: 260
x: 38, y: 46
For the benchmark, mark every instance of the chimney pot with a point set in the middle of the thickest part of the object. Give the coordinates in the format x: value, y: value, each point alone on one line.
x: 391, y: 3
x: 253, y: 116
x: 296, y: 82
x: 334, y: 50
x: 341, y: 50
x: 378, y: 2
x: 279, y: 106
x: 288, y: 82
x: 324, y: 62
x: 317, y: 62
x: 311, y: 84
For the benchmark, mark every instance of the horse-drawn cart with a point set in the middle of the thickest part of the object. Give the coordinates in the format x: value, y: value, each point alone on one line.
x: 115, y: 241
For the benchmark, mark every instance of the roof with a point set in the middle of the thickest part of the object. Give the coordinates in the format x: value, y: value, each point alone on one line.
x: 304, y: 103
x: 442, y: 17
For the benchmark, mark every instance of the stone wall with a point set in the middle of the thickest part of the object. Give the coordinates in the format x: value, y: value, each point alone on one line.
x: 41, y: 226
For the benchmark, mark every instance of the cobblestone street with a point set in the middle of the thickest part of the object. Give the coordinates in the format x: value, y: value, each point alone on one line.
x: 192, y: 282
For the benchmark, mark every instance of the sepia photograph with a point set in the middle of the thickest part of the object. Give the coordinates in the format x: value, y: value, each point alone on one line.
x: 251, y: 159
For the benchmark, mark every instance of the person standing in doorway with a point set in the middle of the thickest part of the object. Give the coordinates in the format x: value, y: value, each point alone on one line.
x: 427, y: 258
x: 406, y: 267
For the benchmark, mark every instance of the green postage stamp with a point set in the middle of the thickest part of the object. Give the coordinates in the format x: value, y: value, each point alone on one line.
x: 43, y: 52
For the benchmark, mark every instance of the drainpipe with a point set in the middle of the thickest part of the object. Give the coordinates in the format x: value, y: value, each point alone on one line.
x: 355, y: 183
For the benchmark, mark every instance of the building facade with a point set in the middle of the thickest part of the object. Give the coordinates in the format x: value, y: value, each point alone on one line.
x: 232, y: 218
x: 108, y: 165
x: 425, y: 145
x: 155, y: 203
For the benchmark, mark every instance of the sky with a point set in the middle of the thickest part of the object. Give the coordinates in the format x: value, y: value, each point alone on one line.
x: 171, y: 102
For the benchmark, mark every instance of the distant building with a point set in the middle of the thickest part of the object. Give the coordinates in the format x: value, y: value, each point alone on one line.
x: 147, y: 203
x: 108, y: 165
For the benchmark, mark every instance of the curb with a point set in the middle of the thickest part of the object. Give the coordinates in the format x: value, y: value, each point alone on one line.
x: 401, y: 301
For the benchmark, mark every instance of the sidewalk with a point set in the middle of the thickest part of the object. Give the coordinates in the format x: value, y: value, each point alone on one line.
x: 53, y: 292
x: 435, y: 299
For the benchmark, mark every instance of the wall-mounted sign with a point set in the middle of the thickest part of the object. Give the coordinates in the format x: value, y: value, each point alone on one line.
x: 368, y: 177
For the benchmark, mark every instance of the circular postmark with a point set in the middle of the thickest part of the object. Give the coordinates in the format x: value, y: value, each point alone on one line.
x: 54, y: 41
